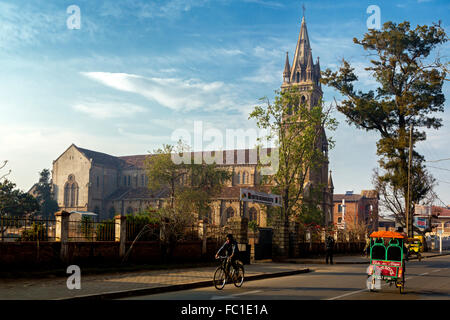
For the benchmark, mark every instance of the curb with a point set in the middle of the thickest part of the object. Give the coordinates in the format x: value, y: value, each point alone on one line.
x: 323, y: 262
x: 177, y: 287
x: 434, y: 255
x: 358, y: 262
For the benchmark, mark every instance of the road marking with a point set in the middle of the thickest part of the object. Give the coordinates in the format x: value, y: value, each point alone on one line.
x: 436, y: 270
x: 235, y: 295
x: 347, y: 294
x: 422, y: 274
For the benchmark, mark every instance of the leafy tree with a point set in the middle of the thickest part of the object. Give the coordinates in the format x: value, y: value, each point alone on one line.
x: 298, y: 133
x: 37, y: 232
x: 409, y: 93
x: 137, y: 222
x: 191, y: 189
x: 14, y: 202
x: 191, y: 186
x: 203, y: 183
x: 163, y: 173
x: 106, y: 230
x: 44, y: 195
x: 87, y: 227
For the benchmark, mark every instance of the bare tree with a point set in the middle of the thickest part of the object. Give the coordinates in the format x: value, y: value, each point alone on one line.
x: 3, y: 176
x: 392, y: 200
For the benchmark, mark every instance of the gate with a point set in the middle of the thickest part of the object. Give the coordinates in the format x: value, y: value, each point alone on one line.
x: 263, y: 250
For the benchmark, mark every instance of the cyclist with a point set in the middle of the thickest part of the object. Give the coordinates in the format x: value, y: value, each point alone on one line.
x: 231, y: 250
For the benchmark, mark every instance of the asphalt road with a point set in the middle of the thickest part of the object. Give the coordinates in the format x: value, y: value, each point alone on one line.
x: 428, y: 279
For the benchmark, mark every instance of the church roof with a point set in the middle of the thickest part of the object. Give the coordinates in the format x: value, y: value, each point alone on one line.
x: 138, y: 194
x: 134, y: 161
x: 234, y: 191
x: 101, y: 158
x: 229, y: 157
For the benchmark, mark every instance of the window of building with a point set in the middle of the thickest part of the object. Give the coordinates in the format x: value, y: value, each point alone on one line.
x: 71, y: 192
x: 143, y: 180
x: 230, y: 212
x: 339, y: 207
x: 252, y: 214
x: 129, y: 180
x: 339, y: 220
x: 98, y: 181
x: 124, y: 181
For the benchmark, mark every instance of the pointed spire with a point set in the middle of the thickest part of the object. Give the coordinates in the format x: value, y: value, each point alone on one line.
x: 310, y: 63
x: 330, y: 182
x: 302, y: 50
x: 287, y: 69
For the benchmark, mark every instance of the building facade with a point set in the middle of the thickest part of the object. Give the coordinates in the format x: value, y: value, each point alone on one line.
x: 356, y: 210
x: 87, y: 180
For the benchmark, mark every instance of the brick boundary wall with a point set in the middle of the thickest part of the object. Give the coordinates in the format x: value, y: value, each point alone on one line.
x: 28, y: 255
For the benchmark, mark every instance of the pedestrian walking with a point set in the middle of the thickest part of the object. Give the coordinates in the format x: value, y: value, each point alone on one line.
x: 329, y: 249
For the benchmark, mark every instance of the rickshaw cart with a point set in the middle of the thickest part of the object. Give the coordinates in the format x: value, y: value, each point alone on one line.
x: 415, y: 247
x: 387, y: 258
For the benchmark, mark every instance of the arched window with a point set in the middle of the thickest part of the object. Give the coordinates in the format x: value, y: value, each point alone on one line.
x: 208, y: 216
x: 252, y: 214
x: 238, y: 178
x: 71, y: 192
x: 66, y: 194
x: 244, y: 176
x: 230, y: 212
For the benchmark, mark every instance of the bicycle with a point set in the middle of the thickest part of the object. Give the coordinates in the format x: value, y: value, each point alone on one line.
x: 221, y: 275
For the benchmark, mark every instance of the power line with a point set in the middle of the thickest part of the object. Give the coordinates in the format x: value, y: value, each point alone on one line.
x: 438, y: 168
x: 447, y: 159
x: 437, y: 197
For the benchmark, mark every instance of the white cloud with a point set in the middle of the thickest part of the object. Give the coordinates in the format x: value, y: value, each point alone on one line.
x: 174, y: 93
x: 271, y: 4
x: 108, y: 110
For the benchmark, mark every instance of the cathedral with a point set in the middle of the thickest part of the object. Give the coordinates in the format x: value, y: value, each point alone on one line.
x: 86, y: 180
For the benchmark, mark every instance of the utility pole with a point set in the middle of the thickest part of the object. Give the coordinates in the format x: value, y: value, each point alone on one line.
x: 409, y: 227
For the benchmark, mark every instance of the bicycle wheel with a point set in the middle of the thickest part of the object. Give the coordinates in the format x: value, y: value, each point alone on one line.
x: 219, y: 278
x: 239, y: 276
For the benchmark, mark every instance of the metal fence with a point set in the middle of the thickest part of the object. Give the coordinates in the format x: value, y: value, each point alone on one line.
x: 27, y: 229
x: 86, y: 230
x: 142, y: 231
x: 217, y: 233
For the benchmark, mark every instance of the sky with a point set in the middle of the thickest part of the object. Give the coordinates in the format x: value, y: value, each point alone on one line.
x: 133, y: 72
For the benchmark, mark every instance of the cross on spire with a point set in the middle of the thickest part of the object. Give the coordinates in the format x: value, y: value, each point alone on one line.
x: 304, y: 9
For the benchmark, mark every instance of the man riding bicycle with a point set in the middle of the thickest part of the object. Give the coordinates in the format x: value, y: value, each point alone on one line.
x: 231, y: 250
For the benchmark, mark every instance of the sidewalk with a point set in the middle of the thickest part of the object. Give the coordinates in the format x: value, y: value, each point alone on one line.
x: 133, y: 283
x: 357, y: 259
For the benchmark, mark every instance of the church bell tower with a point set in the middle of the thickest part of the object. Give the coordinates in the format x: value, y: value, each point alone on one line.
x: 305, y: 75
